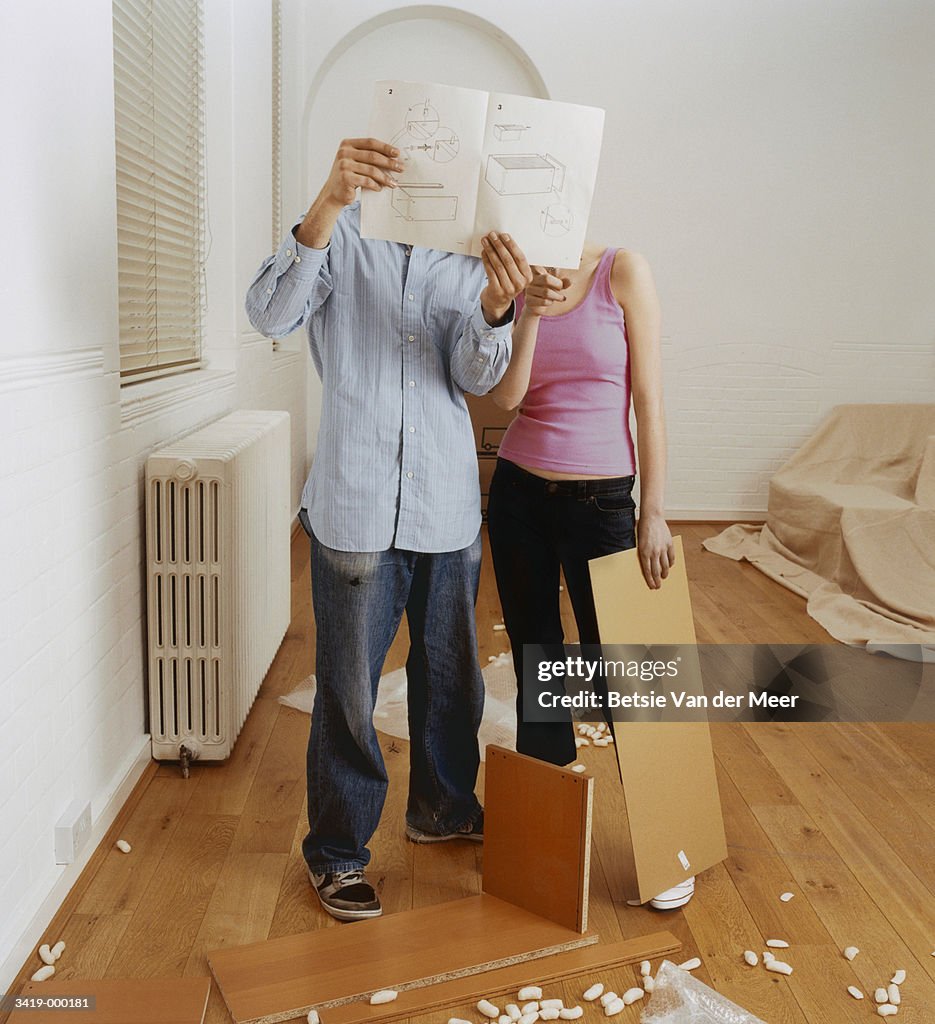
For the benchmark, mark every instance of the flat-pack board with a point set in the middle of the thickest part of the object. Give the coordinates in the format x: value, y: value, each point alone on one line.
x: 283, y: 978
x: 669, y: 782
x: 115, y: 1001
x: 552, y: 877
x: 580, y: 963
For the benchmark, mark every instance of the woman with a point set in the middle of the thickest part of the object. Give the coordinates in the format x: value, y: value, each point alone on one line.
x: 561, y: 494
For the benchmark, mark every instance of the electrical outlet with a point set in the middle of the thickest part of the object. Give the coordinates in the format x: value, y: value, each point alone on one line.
x: 72, y: 831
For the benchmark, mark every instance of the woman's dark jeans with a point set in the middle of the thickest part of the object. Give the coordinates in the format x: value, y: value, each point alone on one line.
x: 537, y: 527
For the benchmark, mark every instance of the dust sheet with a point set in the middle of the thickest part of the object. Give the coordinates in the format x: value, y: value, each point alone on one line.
x: 851, y: 525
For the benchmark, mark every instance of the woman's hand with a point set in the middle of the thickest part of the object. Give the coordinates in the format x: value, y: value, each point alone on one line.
x: 656, y: 550
x: 544, y: 291
x: 507, y: 272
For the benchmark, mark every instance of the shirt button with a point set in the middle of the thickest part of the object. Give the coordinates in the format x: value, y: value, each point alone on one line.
x: 269, y: 291
x: 298, y: 259
x: 412, y: 430
x: 409, y: 252
x: 412, y: 337
x: 412, y: 383
x: 288, y: 252
x: 409, y: 474
x: 411, y: 296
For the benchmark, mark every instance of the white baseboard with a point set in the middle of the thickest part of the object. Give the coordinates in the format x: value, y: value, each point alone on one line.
x: 714, y: 515
x: 63, y: 878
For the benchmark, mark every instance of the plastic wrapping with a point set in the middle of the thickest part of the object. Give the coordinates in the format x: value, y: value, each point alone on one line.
x: 678, y: 998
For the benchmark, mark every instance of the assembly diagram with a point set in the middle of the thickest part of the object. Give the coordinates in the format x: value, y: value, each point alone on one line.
x: 423, y: 132
x: 531, y: 174
x: 556, y: 220
x: 474, y: 160
x: 524, y: 174
x: 421, y: 201
x: 509, y: 132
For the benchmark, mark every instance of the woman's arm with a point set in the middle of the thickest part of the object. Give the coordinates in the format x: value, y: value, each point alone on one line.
x: 514, y: 383
x: 635, y: 290
x: 543, y: 291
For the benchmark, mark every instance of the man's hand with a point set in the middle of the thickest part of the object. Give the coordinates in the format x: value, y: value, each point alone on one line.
x: 656, y: 550
x: 359, y: 163
x: 545, y: 290
x: 508, y: 274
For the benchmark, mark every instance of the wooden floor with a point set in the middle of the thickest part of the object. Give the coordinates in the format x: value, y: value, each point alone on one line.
x: 841, y: 815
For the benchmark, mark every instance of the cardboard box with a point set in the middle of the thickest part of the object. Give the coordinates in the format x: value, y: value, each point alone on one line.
x: 485, y: 465
x: 675, y: 821
x: 490, y: 423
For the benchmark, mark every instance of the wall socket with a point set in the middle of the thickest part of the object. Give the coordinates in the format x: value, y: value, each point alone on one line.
x: 72, y: 831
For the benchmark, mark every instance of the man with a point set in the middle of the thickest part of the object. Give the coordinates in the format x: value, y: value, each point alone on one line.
x: 397, y: 335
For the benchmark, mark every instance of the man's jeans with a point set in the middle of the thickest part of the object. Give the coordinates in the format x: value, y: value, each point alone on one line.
x: 359, y: 598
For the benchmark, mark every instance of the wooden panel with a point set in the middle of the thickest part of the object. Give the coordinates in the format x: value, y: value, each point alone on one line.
x: 670, y: 786
x: 537, y: 836
x: 150, y: 1001
x: 600, y: 956
x: 283, y: 978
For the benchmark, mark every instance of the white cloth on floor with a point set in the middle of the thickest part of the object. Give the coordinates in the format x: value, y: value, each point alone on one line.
x: 390, y: 716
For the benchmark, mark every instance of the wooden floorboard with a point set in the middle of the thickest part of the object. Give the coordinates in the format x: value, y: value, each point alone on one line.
x: 721, y: 924
x: 841, y: 815
x: 159, y: 939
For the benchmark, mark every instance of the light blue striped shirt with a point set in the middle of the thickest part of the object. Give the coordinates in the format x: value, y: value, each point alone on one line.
x: 397, y: 336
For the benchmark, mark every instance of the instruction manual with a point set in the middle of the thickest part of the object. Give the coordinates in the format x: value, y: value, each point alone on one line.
x: 478, y: 162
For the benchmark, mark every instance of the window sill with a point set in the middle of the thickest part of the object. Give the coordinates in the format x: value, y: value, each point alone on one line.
x: 139, y: 402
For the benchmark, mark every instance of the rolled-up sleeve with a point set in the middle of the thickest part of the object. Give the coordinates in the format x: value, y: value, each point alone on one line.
x: 289, y: 286
x: 482, y: 353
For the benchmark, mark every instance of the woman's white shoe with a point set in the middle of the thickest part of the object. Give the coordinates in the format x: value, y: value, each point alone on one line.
x: 675, y: 897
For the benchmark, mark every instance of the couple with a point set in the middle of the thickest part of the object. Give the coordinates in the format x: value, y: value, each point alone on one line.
x: 398, y: 334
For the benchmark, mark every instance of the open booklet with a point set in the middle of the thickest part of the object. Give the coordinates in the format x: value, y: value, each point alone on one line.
x: 478, y: 162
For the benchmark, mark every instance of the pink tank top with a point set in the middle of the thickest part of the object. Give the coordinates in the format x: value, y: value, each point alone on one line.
x: 575, y: 417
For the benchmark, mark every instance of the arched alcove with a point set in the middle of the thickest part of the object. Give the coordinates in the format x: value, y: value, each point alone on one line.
x: 417, y: 43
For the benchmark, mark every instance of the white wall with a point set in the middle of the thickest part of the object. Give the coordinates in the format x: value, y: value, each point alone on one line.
x: 72, y: 442
x: 774, y: 160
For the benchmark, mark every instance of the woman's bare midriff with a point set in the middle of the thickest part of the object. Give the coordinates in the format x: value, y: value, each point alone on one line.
x: 548, y: 474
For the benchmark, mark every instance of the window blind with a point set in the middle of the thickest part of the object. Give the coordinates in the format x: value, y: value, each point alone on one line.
x: 159, y: 115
